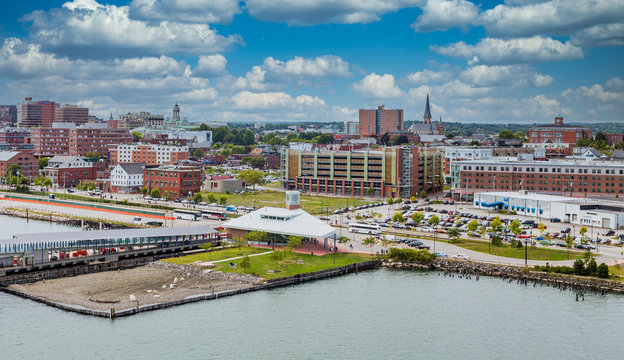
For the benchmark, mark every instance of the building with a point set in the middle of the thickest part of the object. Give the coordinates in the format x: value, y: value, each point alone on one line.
x: 69, y: 171
x: 173, y: 181
x: 612, y: 139
x: 29, y: 165
x: 427, y: 127
x: 551, y: 150
x: 67, y: 139
x: 148, y: 154
x: 71, y: 114
x: 141, y: 119
x: 12, y: 135
x: 380, y: 121
x: 8, y: 115
x: 270, y: 156
x: 127, y: 178
x: 558, y: 133
x: 194, y: 139
x: 597, y: 178
x: 279, y: 223
x: 577, y: 211
x: 36, y: 113
x: 223, y: 183
x: 390, y: 171
x: 351, y: 127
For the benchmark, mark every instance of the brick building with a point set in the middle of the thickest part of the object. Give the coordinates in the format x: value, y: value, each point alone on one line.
x: 173, y: 181
x: 36, y: 113
x: 14, y: 135
x: 8, y: 114
x: 614, y: 139
x: 50, y: 141
x: 392, y: 171
x: 67, y: 139
x: 553, y: 176
x: 148, y: 154
x: 380, y: 121
x: 71, y: 114
x: 69, y: 171
x: 29, y: 165
x: 558, y: 133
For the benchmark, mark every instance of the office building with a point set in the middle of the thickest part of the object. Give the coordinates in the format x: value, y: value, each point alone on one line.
x: 149, y: 154
x: 380, y: 121
x: 36, y: 113
x: 173, y: 181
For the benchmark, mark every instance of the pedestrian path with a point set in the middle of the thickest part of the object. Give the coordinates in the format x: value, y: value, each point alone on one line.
x: 240, y: 257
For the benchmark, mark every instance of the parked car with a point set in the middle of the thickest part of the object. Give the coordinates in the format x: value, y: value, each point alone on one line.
x: 441, y: 254
x: 555, y: 220
x: 462, y: 256
x: 609, y: 233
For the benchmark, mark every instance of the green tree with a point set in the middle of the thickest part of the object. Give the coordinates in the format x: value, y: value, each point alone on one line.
x: 256, y: 236
x: 245, y: 263
x: 583, y: 232
x: 473, y: 225
x: 515, y: 227
x: 496, y: 225
x: 276, y: 256
x: 390, y: 201
x: 208, y: 247
x: 541, y: 227
x: 591, y: 268
x: 569, y: 240
x: 324, y: 139
x: 11, y: 173
x: 417, y: 217
x: 211, y: 198
x: 144, y: 190
x: 240, y: 241
x: 93, y: 155
x: 434, y: 220
x: 155, y: 193
x: 579, y: 267
x: 223, y: 199
x: 43, y: 162
x: 369, y: 241
x: 422, y: 194
x: 399, y: 200
x: 294, y: 242
x: 413, y: 198
x: 137, y: 135
x: 602, y: 271
x: 343, y: 240
x: 398, y: 217
x: 506, y: 134
x: 252, y: 177
x: 453, y: 234
x: 198, y: 198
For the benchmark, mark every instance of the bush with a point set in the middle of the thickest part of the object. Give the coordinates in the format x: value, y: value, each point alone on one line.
x: 411, y: 255
x: 592, y: 268
x: 579, y: 267
x: 496, y: 240
x: 555, y: 269
x: 602, y: 271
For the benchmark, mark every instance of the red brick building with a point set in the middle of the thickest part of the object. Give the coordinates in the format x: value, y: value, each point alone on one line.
x: 66, y: 139
x: 50, y: 141
x: 558, y: 133
x: 173, y: 181
x: 29, y: 165
x: 14, y: 136
x: 36, y: 113
x: 69, y: 171
x: 614, y: 139
x: 71, y: 114
x: 380, y: 121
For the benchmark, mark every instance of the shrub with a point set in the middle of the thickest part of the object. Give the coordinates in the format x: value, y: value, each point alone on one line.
x: 592, y: 268
x: 602, y: 271
x: 579, y: 267
x: 496, y: 240
x: 411, y: 255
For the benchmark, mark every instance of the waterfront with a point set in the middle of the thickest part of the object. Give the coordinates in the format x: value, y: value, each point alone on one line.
x: 11, y: 225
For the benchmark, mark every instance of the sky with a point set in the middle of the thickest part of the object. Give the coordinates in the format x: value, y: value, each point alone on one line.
x: 514, y: 61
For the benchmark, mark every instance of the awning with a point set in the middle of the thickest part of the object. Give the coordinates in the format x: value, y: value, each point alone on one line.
x: 496, y: 203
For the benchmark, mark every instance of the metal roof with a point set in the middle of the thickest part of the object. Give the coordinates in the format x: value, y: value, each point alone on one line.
x: 296, y: 222
x: 111, y: 234
x: 132, y: 168
x: 7, y: 155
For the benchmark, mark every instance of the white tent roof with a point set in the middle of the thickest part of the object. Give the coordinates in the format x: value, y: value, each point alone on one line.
x: 282, y: 221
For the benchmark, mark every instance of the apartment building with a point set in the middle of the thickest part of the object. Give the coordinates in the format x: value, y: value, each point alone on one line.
x: 148, y: 154
x: 173, y: 181
x: 71, y: 114
x: 29, y: 165
x: 380, y: 121
x: 69, y: 171
x: 67, y: 139
x: 580, y: 177
x: 36, y: 113
x: 558, y: 133
x: 390, y: 171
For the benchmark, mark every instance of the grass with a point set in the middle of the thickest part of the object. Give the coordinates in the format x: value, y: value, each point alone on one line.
x: 617, y: 271
x: 313, y: 204
x: 260, y: 265
x: 216, y: 255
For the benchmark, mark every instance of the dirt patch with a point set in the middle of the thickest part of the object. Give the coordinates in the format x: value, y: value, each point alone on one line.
x: 157, y: 282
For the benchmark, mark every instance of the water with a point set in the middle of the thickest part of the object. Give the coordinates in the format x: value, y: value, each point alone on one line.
x: 10, y: 226
x: 375, y: 314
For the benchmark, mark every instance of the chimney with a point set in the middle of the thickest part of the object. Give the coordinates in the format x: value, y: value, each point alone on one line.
x: 292, y: 200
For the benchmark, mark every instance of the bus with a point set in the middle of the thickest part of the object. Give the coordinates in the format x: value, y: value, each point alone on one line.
x: 214, y: 214
x: 371, y: 229
x: 187, y: 214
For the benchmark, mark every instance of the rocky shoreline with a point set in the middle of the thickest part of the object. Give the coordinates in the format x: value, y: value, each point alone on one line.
x: 70, y: 221
x: 510, y: 273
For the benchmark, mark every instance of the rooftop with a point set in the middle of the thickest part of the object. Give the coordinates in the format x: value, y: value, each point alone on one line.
x: 282, y: 221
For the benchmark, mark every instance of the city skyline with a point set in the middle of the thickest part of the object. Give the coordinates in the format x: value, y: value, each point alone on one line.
x: 515, y: 61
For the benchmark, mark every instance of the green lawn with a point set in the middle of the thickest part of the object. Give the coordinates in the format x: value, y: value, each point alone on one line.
x: 289, y: 266
x: 216, y: 255
x: 313, y: 204
x: 617, y: 271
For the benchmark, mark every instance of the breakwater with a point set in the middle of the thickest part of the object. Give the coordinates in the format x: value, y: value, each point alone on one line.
x: 113, y: 313
x: 521, y: 275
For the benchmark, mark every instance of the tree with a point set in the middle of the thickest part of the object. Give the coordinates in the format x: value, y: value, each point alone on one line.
x: 144, y: 190
x: 43, y: 162
x: 496, y: 225
x: 390, y: 200
x: 453, y: 234
x: 515, y: 227
x: 324, y: 139
x: 343, y: 240
x: 473, y: 225
x: 417, y: 217
x: 541, y: 227
x: 434, y: 220
x: 583, y: 232
x: 211, y: 198
x: 245, y: 263
x: 422, y: 194
x: 506, y: 134
x: 579, y: 267
x: 398, y: 217
x: 240, y: 241
x: 198, y: 198
x: 155, y: 193
x: 474, y: 143
x: 569, y: 240
x: 592, y: 268
x: 208, y: 247
x: 602, y: 271
x: 12, y: 171
x: 413, y: 198
x: 252, y: 177
x: 369, y: 241
x: 256, y: 236
x: 203, y: 127
x: 399, y: 200
x: 223, y: 200
x: 276, y: 256
x: 42, y: 181
x: 93, y: 155
x: 294, y: 242
x: 198, y: 153
x: 136, y: 135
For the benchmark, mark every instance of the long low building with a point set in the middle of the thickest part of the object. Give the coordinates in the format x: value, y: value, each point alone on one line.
x: 573, y: 210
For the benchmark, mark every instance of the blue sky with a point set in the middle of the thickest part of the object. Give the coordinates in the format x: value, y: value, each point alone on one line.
x: 320, y: 60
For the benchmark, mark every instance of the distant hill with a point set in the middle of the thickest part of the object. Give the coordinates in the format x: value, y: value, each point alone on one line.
x: 462, y: 129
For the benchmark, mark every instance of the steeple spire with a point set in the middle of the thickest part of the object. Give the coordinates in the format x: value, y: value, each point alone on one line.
x: 427, y: 117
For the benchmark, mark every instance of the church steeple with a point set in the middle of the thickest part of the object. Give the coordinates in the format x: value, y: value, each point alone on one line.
x: 427, y: 117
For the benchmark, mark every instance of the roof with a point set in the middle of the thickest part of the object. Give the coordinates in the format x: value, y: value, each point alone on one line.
x: 296, y: 222
x: 530, y: 196
x: 133, y: 168
x: 111, y: 234
x: 7, y: 155
x: 427, y: 109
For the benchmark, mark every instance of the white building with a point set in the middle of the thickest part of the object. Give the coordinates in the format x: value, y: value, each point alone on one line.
x: 161, y: 153
x: 454, y: 154
x: 127, y: 178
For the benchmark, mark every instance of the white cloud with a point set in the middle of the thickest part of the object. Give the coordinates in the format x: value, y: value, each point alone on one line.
x: 210, y: 65
x: 311, y: 12
x: 556, y: 17
x: 374, y: 86
x: 615, y: 84
x: 253, y: 80
x: 600, y: 35
x: 459, y: 89
x: 19, y: 60
x: 504, y: 75
x: 246, y: 100
x: 540, y: 80
x: 86, y: 29
x: 196, y: 11
x: 446, y: 14
x: 319, y: 67
x: 429, y: 76
x: 512, y: 51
